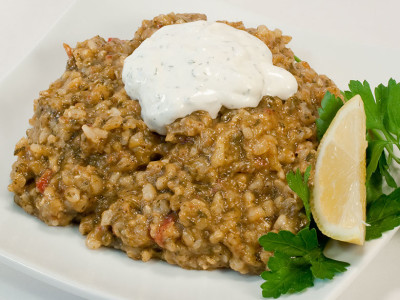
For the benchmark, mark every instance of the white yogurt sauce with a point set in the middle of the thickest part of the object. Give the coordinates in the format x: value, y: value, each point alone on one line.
x: 201, y: 65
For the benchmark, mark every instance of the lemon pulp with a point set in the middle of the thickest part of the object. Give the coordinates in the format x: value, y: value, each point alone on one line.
x: 339, y: 194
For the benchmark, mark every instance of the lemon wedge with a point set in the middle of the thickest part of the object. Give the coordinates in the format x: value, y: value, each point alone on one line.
x: 339, y: 194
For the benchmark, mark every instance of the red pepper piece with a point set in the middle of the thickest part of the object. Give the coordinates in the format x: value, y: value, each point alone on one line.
x: 44, y: 180
x: 165, y: 224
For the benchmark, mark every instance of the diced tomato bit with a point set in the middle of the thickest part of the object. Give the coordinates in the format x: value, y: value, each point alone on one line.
x: 109, y: 56
x: 165, y: 224
x: 68, y: 50
x: 114, y: 40
x: 44, y: 180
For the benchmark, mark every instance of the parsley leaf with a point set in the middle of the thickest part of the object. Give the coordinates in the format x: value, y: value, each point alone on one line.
x: 300, y: 187
x: 384, y: 170
x: 374, y: 152
x: 381, y: 97
x: 290, y: 244
x: 373, y: 111
x: 286, y: 275
x: 383, y: 214
x: 393, y: 103
x: 383, y: 121
x: 326, y: 268
x: 383, y: 125
x: 330, y: 105
x: 297, y: 261
x: 374, y: 186
x: 297, y: 59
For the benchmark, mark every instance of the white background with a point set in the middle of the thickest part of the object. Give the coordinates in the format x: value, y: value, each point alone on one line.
x: 24, y: 22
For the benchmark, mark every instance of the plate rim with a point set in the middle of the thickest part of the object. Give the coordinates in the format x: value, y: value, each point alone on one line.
x: 77, y: 290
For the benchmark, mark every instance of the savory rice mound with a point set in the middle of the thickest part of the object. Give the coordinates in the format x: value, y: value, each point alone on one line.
x: 199, y: 197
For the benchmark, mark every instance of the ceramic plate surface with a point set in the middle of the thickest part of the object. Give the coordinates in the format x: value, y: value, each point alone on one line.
x: 59, y: 255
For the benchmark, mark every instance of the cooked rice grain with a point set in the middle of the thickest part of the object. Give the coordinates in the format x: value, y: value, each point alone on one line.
x: 199, y: 197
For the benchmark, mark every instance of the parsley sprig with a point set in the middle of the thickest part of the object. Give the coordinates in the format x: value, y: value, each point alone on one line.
x: 297, y: 261
x: 383, y: 214
x: 298, y: 258
x: 382, y: 110
x: 300, y: 187
x: 330, y: 105
x: 383, y: 124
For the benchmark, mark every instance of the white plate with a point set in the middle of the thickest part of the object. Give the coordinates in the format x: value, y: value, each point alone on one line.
x: 59, y: 255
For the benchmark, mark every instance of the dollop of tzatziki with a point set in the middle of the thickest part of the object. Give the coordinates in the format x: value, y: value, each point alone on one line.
x: 201, y: 65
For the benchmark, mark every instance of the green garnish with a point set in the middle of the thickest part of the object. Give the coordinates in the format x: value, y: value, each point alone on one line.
x: 383, y: 214
x: 383, y: 135
x: 300, y: 187
x: 298, y: 260
x: 374, y: 185
x: 330, y: 105
x: 375, y: 149
x: 297, y: 59
x: 383, y: 125
x: 382, y: 110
